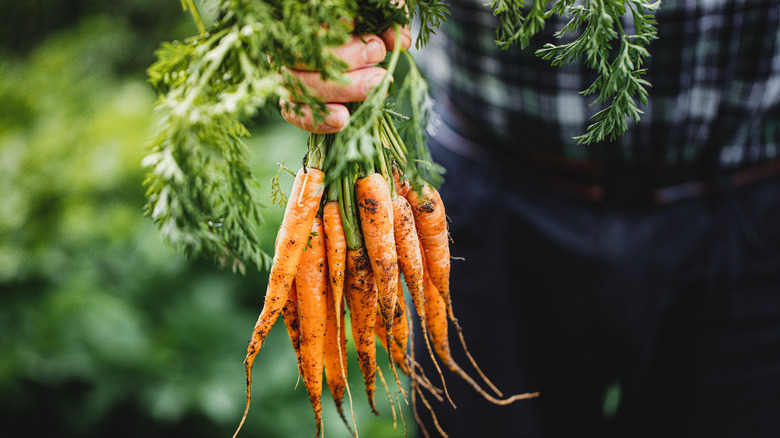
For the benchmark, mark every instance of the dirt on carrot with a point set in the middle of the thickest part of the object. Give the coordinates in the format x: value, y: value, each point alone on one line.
x: 362, y: 301
x: 431, y: 222
x: 311, y: 282
x: 375, y: 210
x: 335, y: 358
x: 291, y: 239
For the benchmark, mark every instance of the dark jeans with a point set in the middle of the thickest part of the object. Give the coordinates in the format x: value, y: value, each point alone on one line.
x: 632, y: 321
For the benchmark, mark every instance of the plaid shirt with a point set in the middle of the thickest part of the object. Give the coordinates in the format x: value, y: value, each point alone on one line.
x: 714, y: 101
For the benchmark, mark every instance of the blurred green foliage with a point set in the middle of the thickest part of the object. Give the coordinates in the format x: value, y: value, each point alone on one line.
x: 104, y: 329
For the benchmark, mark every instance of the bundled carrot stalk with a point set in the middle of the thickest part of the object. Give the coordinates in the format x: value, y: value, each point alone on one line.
x: 382, y: 224
x: 375, y: 231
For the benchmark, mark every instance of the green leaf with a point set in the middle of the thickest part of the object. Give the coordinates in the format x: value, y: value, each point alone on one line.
x: 598, y: 25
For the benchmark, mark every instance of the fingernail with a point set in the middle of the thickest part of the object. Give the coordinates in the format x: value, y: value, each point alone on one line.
x: 336, y: 119
x: 372, y: 81
x: 406, y: 41
x: 373, y: 52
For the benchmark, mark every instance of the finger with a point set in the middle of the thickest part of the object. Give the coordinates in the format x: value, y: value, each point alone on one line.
x: 388, y: 37
x: 335, y: 120
x: 358, y: 52
x: 360, y: 82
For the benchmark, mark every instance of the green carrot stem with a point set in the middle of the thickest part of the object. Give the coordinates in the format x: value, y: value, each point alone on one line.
x: 395, y: 135
x: 383, y: 165
x: 315, y: 157
x: 393, y: 142
x: 369, y: 167
x: 190, y: 5
x: 349, y: 217
x: 388, y: 144
x: 334, y: 191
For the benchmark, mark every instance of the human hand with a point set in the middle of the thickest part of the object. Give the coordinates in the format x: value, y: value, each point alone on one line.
x: 362, y: 54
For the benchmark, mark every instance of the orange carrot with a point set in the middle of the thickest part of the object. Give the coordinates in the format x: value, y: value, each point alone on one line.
x: 335, y: 358
x: 400, y: 329
x: 401, y: 183
x: 410, y: 262
x: 436, y: 317
x: 292, y: 237
x: 398, y: 356
x: 362, y: 301
x: 407, y: 246
x: 400, y: 335
x: 336, y: 246
x: 431, y: 223
x: 311, y: 282
x: 375, y: 210
x: 290, y: 317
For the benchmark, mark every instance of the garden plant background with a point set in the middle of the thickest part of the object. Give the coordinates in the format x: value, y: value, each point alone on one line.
x: 104, y: 329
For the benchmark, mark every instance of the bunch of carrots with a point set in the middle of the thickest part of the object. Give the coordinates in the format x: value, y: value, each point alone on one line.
x: 351, y: 244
